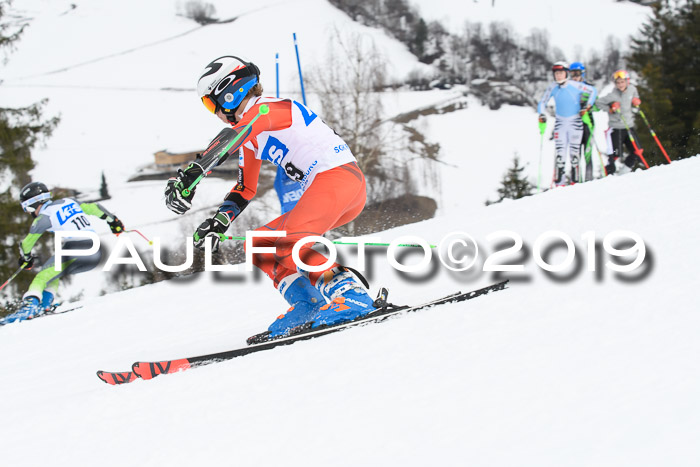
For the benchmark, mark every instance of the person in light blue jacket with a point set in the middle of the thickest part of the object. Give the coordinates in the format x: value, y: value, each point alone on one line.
x: 568, y: 126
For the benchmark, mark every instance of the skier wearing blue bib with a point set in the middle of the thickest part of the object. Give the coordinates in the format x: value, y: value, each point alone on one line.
x: 288, y: 191
x: 568, y: 126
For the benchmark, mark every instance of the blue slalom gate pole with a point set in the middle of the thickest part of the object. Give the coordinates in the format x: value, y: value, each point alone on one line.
x: 288, y: 191
x: 301, y: 78
x: 277, y: 73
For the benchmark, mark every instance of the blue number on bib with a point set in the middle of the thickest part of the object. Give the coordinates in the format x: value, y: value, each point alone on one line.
x: 274, y: 150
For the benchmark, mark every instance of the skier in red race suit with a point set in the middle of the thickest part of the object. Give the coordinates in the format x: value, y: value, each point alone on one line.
x: 293, y: 137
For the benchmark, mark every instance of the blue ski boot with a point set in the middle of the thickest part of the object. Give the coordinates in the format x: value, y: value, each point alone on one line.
x: 30, y: 308
x: 46, y: 301
x: 348, y: 300
x: 304, y: 299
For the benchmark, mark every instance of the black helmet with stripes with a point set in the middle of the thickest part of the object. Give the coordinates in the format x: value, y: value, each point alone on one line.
x: 34, y: 195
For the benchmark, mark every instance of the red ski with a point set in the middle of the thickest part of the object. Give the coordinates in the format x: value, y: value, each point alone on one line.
x: 116, y: 378
x: 260, y: 342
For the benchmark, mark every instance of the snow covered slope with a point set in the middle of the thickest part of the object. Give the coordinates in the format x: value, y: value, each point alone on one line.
x: 593, y: 370
x: 122, y: 74
x: 123, y: 96
x: 578, y: 368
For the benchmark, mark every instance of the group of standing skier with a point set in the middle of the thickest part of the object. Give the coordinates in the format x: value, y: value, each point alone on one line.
x: 574, y: 100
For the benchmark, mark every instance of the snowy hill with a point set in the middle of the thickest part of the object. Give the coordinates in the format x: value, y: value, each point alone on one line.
x: 596, y: 369
x: 576, y: 368
x: 123, y: 96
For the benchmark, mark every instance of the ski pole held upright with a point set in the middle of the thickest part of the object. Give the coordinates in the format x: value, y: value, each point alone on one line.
x: 654, y: 135
x: 543, y: 127
x: 637, y: 151
x: 587, y: 121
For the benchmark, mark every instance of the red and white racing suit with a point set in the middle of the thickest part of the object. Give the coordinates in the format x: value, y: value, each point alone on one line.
x: 296, y: 139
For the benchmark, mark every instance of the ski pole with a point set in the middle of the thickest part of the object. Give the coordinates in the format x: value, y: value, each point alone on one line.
x: 338, y: 242
x: 13, y: 276
x: 412, y: 245
x: 654, y: 135
x: 142, y: 235
x: 587, y: 120
x: 637, y: 151
x: 543, y: 127
x: 262, y: 110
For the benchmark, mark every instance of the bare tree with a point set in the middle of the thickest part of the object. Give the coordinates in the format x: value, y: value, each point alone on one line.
x: 203, y: 13
x: 347, y: 84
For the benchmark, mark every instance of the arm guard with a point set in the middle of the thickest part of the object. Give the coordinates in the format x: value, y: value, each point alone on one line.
x: 210, y: 158
x: 233, y: 204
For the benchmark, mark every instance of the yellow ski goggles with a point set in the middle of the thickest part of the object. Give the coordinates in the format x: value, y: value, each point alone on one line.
x: 621, y: 74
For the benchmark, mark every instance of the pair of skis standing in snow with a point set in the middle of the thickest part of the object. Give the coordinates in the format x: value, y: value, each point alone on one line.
x: 574, y: 100
x: 280, y: 131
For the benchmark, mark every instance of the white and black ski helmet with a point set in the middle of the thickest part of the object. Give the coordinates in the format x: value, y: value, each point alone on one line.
x: 561, y: 66
x: 33, y: 195
x: 225, y: 82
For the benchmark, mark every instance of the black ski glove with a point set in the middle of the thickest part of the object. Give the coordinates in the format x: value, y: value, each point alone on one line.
x: 26, y: 260
x: 116, y: 226
x: 175, y: 198
x: 214, y: 228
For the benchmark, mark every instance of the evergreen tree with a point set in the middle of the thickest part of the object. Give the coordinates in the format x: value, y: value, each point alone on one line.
x: 514, y: 184
x: 421, y: 35
x: 20, y: 130
x: 665, y: 54
x: 104, y: 192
